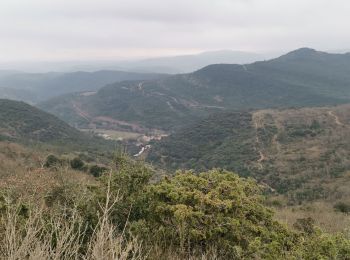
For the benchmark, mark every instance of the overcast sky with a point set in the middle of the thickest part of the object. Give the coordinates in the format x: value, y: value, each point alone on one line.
x: 54, y: 30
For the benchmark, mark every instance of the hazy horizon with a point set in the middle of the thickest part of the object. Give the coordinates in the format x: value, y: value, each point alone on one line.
x: 138, y: 64
x: 61, y: 31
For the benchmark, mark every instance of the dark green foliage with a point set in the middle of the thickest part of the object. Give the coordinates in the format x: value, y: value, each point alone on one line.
x: 217, y: 209
x: 129, y: 182
x: 310, y: 194
x: 52, y: 161
x: 266, y: 134
x: 342, y: 207
x: 20, y: 120
x: 337, y: 170
x: 297, y: 130
x: 306, y: 225
x: 97, y: 170
x: 191, y: 212
x: 23, y: 121
x: 284, y: 185
x: 302, y: 131
x: 315, y: 125
x: 324, y: 246
x: 77, y: 164
x: 223, y: 140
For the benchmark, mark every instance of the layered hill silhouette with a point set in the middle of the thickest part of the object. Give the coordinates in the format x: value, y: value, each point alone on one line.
x: 301, y: 78
x: 35, y: 87
x: 20, y: 122
x: 189, y: 63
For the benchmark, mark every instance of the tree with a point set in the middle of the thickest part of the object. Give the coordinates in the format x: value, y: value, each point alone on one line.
x: 77, y: 164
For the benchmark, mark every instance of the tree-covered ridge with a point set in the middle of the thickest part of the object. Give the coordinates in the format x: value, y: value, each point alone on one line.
x: 21, y: 122
x: 303, y: 78
x: 223, y: 140
x: 299, y: 152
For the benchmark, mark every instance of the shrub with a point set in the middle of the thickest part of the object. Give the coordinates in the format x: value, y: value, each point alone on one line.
x: 324, y: 246
x: 306, y: 225
x: 52, y: 161
x: 77, y: 164
x: 130, y: 182
x: 342, y: 207
x: 55, y: 236
x: 213, y: 209
x: 97, y: 171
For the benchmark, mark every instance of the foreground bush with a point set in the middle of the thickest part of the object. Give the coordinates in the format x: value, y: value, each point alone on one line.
x: 128, y: 215
x: 52, y: 161
x: 216, y: 208
x: 217, y: 211
x: 41, y: 236
x: 77, y: 164
x: 342, y: 207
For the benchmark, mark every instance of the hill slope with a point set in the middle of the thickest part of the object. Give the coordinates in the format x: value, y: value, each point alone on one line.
x: 22, y: 122
x: 300, y: 152
x: 301, y: 78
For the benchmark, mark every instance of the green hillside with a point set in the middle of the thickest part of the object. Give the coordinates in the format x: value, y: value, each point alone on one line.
x: 301, y: 78
x: 22, y: 122
x: 223, y: 140
x: 302, y: 153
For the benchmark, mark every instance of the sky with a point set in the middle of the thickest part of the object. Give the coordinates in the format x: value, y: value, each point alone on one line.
x: 64, y: 30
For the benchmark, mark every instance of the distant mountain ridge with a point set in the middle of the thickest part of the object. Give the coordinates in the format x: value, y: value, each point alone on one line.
x: 192, y: 62
x: 167, y: 64
x: 41, y: 86
x: 304, y: 77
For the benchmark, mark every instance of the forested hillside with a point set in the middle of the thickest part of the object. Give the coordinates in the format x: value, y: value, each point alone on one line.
x: 302, y: 153
x: 302, y: 78
x: 20, y: 122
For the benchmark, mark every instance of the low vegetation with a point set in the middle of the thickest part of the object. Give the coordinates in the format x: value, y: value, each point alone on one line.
x: 126, y: 214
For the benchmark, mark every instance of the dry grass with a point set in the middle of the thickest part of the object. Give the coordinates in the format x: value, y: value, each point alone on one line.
x: 322, y: 212
x: 60, y: 237
x: 116, y: 135
x: 40, y: 236
x: 22, y: 173
x: 30, y: 240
